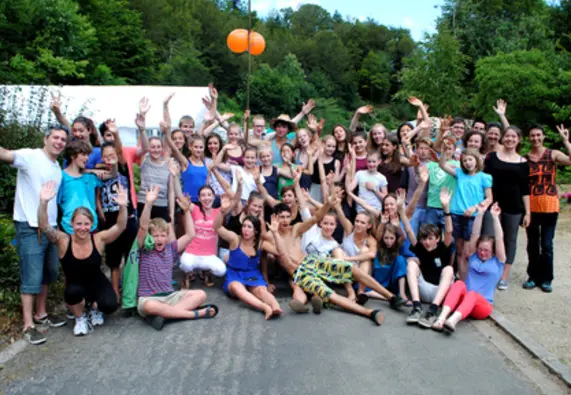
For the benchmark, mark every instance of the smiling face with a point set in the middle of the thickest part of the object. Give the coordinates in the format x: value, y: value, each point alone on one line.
x: 284, y: 219
x: 372, y: 162
x: 55, y: 143
x: 178, y: 139
x: 360, y: 145
x: 81, y: 225
x: 303, y: 138
x: 233, y: 134
x: 469, y: 163
x: 536, y: 137
x: 328, y: 225
x: 329, y: 146
x: 288, y: 197
x: 485, y: 249
x: 362, y: 223
x: 378, y: 134
x: 213, y: 146
x: 474, y: 142
x: 448, y: 147
x: 248, y: 230
x: 197, y: 148
x: 387, y: 148
x: 255, y: 207
x: 187, y: 127
x: 108, y: 136
x: 250, y: 160
x: 479, y: 126
x: 511, y: 139
x: 430, y: 242
x: 80, y: 131
x: 281, y: 129
x: 286, y: 153
x: 266, y: 158
x: 259, y: 125
x: 493, y: 136
x: 458, y: 130
x: 390, y: 205
x: 206, y: 198
x: 155, y: 148
x: 80, y: 160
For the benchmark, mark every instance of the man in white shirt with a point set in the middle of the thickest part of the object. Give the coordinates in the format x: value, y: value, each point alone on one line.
x: 39, y: 258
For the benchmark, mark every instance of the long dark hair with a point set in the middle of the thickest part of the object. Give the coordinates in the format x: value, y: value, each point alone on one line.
x: 207, y: 152
x: 402, y: 125
x: 198, y: 202
x: 394, y: 164
x: 257, y: 229
x: 89, y: 125
x: 387, y: 255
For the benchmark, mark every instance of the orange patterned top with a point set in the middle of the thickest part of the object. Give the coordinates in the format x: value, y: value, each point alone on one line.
x: 544, y: 197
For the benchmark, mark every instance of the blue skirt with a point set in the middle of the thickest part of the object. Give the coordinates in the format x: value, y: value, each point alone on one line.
x: 250, y: 278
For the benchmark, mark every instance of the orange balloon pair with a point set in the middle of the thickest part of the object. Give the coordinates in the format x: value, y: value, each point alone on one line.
x: 238, y: 42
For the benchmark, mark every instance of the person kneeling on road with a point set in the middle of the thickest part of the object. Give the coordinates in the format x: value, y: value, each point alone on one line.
x: 159, y: 252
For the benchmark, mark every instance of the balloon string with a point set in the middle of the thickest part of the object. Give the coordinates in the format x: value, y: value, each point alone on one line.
x: 249, y: 56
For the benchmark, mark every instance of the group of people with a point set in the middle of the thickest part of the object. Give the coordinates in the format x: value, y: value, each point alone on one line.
x: 427, y: 214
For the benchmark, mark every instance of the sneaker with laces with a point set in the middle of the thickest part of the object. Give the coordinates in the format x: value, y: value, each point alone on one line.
x: 82, y: 326
x: 396, y: 302
x: 414, y: 316
x: 96, y: 318
x: 529, y: 284
x: 52, y: 320
x: 34, y: 336
x: 503, y: 285
x: 70, y: 315
x: 427, y: 320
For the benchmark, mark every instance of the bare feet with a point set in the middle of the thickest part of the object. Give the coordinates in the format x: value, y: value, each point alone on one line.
x: 277, y: 311
x: 208, y: 280
x: 438, y: 325
x: 268, y: 311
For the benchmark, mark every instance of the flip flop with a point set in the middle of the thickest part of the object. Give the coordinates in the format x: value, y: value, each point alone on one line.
x: 209, y: 308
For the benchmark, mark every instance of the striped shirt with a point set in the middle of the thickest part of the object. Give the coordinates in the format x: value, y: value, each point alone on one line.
x: 155, y: 270
x: 155, y: 174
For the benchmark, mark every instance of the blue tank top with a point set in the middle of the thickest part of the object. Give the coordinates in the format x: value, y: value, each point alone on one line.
x: 193, y: 178
x: 271, y: 183
x: 276, y: 153
x: 238, y: 260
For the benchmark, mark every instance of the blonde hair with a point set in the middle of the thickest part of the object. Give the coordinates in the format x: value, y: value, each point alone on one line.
x: 158, y: 224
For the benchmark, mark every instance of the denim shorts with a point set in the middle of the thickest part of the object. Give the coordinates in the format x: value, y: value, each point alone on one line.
x: 462, y: 226
x: 39, y: 259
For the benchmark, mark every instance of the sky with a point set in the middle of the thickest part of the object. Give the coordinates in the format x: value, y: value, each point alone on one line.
x: 419, y: 16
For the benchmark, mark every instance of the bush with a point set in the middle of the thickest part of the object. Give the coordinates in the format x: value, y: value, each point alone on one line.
x: 9, y: 268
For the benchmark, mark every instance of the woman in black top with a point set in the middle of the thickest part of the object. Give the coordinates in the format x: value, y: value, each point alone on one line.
x: 80, y: 255
x: 510, y: 188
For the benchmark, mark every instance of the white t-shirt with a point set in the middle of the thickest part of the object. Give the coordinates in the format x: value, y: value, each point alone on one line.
x: 35, y: 168
x: 248, y: 182
x: 378, y: 180
x: 313, y: 242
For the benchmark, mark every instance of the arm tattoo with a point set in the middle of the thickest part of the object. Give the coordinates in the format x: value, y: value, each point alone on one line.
x: 52, y: 234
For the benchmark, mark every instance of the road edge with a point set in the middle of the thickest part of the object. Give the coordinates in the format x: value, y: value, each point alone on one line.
x: 12, y: 350
x: 550, y: 361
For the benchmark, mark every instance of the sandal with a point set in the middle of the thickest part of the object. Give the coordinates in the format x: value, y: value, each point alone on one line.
x: 209, y: 308
x: 408, y: 303
x: 377, y: 316
x: 448, y: 327
x: 438, y: 326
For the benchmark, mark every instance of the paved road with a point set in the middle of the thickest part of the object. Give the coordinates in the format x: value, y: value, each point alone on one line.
x: 240, y: 353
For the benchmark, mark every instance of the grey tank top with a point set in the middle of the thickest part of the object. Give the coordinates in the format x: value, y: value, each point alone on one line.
x: 154, y: 174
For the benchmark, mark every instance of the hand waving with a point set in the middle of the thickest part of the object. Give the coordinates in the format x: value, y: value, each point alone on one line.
x: 274, y: 224
x: 152, y: 194
x: 563, y: 132
x: 184, y: 203
x: 121, y: 198
x: 365, y: 110
x: 501, y: 107
x: 415, y: 101
x: 308, y: 107
x: 144, y: 106
x: 48, y: 191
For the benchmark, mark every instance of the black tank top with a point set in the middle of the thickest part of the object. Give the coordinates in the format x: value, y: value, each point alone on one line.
x: 328, y: 167
x: 81, y: 271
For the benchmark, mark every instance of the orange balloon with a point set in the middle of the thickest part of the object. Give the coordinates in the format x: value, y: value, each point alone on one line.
x: 237, y: 40
x: 257, y: 43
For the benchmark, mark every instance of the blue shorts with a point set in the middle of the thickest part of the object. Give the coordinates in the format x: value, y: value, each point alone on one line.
x: 39, y: 259
x: 462, y: 227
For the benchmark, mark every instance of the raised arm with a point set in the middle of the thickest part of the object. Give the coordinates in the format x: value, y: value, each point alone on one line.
x: 317, y: 217
x: 166, y: 130
x: 55, y: 106
x: 422, y: 180
x: 166, y: 113
x: 145, y: 219
x: 559, y: 157
x: 404, y: 218
x: 267, y: 197
x: 422, y: 108
x: 477, y: 228
x: 445, y: 196
x: 305, y: 109
x: 183, y: 241
x: 6, y: 156
x: 364, y: 204
x: 60, y: 239
x: 444, y: 165
x: 500, y: 109
x: 498, y: 233
x: 231, y: 237
x: 140, y: 121
x: 110, y: 235
x: 360, y: 111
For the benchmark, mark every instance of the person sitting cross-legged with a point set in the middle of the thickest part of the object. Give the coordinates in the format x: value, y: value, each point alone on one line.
x: 475, y: 297
x: 429, y: 274
x: 159, y: 252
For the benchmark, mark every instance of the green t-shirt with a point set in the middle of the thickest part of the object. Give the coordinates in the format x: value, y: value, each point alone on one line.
x: 284, y: 182
x: 438, y: 179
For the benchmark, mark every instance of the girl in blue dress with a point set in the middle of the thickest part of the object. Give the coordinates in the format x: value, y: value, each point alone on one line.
x: 244, y: 279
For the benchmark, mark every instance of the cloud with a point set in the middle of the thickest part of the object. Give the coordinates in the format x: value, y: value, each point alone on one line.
x: 408, y: 22
x: 265, y: 6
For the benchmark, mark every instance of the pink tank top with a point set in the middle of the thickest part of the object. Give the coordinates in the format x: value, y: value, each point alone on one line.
x: 204, y: 243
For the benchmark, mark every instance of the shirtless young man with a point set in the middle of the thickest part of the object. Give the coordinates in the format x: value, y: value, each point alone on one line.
x: 310, y: 273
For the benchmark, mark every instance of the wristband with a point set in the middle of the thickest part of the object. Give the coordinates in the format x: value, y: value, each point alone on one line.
x: 447, y: 214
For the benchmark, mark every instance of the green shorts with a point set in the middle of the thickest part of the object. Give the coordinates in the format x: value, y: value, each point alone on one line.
x: 315, y: 272
x: 170, y: 299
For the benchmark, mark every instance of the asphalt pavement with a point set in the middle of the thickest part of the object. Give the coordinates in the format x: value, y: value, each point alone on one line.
x: 239, y: 353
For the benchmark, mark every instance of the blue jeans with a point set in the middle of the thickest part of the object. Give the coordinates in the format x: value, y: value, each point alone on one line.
x: 540, y: 234
x: 39, y: 259
x: 434, y: 216
x: 417, y: 219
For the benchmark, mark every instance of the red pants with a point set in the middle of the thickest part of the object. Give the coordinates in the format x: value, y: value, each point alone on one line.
x: 469, y: 304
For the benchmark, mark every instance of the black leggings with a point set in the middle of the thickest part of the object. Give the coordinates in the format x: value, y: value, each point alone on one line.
x: 98, y: 290
x: 121, y: 247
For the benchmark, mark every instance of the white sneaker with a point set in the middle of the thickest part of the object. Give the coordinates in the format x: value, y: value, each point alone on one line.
x: 82, y: 326
x: 96, y: 317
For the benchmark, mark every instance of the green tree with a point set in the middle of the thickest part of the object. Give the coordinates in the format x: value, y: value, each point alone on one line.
x: 435, y: 73
x: 375, y: 77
